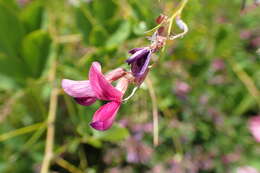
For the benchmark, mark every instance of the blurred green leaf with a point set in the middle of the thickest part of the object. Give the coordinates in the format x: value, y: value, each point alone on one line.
x: 83, y: 23
x: 11, y: 31
x: 7, y: 83
x: 120, y: 35
x: 32, y: 16
x: 116, y: 133
x: 36, y: 47
x: 13, y: 68
x: 140, y: 28
x: 98, y: 36
x: 104, y: 10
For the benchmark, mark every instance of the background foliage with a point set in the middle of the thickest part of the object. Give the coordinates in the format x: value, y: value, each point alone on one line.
x: 206, y: 86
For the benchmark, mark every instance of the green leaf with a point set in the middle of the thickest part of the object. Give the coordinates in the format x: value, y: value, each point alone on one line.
x: 11, y: 32
x: 13, y: 68
x: 31, y: 16
x: 120, y: 35
x: 116, y: 133
x: 7, y: 83
x: 35, y: 51
x: 104, y: 10
x: 97, y: 37
x: 83, y: 24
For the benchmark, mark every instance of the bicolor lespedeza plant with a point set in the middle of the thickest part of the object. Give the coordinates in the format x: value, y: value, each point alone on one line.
x: 99, y: 86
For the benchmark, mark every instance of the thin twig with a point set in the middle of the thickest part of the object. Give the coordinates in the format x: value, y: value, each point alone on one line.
x: 20, y: 131
x: 50, y: 123
x: 66, y: 165
x: 247, y: 81
x: 155, y: 111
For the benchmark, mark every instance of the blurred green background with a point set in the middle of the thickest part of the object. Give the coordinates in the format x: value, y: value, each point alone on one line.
x: 206, y: 86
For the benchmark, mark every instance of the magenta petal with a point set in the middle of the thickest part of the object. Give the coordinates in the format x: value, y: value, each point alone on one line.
x: 85, y: 101
x: 101, y: 87
x: 105, y: 115
x: 77, y: 88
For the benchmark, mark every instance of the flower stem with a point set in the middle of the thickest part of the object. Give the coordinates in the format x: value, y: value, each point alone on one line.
x: 50, y: 123
x: 155, y: 111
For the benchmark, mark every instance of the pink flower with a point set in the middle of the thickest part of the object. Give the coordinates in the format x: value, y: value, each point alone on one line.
x: 254, y: 126
x: 82, y: 91
x: 99, y: 87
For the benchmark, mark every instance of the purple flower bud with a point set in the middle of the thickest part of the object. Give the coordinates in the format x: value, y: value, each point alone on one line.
x: 140, y: 61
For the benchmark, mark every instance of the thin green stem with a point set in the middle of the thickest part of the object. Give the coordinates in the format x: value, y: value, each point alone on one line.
x: 246, y: 80
x: 155, y: 111
x: 50, y: 123
x: 20, y: 131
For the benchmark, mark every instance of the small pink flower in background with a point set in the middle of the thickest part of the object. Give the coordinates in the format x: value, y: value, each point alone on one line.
x: 246, y: 169
x: 218, y: 64
x: 254, y: 126
x: 137, y: 152
x: 182, y: 89
x: 99, y: 87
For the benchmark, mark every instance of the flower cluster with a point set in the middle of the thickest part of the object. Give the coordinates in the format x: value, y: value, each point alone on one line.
x: 99, y: 86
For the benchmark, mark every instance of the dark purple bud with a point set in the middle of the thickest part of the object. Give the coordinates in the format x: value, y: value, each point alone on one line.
x: 140, y: 65
x: 132, y: 51
x: 139, y: 62
x: 137, y: 55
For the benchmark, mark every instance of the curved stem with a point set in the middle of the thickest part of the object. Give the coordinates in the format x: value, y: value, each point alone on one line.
x: 177, y: 12
x: 132, y: 94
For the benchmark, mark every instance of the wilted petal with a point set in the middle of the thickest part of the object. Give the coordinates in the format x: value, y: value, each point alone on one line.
x: 101, y: 87
x: 105, y: 115
x: 138, y: 55
x: 140, y: 66
x: 254, y: 126
x: 77, y: 88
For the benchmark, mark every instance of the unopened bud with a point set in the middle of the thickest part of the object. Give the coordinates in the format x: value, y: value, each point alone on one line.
x: 161, y: 19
